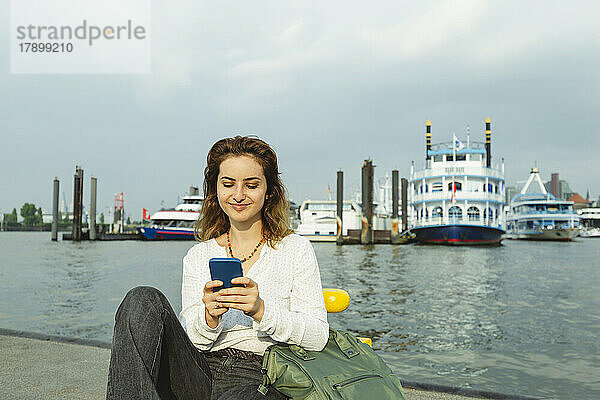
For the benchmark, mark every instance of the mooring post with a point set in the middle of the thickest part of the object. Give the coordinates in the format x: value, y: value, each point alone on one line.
x: 76, y: 206
x: 77, y: 202
x: 366, y: 234
x: 395, y: 234
x: 92, y: 223
x: 404, y: 204
x: 339, y: 239
x: 55, y: 210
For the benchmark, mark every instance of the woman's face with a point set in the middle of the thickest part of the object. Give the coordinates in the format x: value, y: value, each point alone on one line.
x: 241, y: 188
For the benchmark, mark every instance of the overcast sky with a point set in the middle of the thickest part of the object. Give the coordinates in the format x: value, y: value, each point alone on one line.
x: 327, y: 83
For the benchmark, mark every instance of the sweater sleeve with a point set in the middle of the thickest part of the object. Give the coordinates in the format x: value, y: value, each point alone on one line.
x: 305, y: 323
x: 195, y: 276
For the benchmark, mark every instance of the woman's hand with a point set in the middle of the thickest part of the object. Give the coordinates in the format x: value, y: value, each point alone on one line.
x: 244, y: 298
x: 212, y: 308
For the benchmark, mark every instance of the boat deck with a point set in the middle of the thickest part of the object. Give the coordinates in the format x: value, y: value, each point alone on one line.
x: 35, y: 366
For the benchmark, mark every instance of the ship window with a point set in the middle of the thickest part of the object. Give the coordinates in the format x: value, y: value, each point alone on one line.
x: 458, y: 186
x: 461, y: 157
x: 436, y: 187
x: 426, y: 213
x: 488, y: 214
x: 438, y: 158
x: 437, y: 212
x: 449, y: 158
x: 473, y: 213
x: 455, y: 212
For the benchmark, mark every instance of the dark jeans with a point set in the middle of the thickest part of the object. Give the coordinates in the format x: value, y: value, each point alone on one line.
x: 153, y: 358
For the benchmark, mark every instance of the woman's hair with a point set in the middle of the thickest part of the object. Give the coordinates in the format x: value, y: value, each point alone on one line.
x: 213, y: 221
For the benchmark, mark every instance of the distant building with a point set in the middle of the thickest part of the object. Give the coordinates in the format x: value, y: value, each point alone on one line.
x: 558, y: 187
x: 510, y: 192
x: 554, y: 185
x: 578, y: 201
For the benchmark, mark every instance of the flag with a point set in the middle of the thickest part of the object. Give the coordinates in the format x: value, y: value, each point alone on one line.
x: 453, y: 191
x: 458, y: 145
x: 329, y: 192
x: 145, y: 215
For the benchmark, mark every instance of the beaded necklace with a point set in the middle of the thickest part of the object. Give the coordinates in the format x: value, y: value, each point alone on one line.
x: 245, y: 258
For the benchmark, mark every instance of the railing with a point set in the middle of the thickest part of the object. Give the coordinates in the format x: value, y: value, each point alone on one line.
x: 535, y: 212
x: 459, y: 196
x: 457, y: 170
x: 495, y: 223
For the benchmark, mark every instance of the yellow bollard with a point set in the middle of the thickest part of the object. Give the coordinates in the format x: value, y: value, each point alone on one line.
x: 336, y: 300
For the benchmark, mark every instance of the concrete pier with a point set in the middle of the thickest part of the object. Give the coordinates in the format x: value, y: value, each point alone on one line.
x: 36, y: 366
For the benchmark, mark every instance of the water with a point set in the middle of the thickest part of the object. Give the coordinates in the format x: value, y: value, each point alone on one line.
x: 521, y: 318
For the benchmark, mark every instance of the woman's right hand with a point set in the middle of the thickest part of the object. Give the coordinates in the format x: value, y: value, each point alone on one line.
x: 212, y: 308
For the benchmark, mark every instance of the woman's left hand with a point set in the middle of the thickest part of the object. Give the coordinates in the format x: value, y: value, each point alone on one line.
x: 244, y: 298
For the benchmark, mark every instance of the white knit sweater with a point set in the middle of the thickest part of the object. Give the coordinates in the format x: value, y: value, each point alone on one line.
x: 288, y: 282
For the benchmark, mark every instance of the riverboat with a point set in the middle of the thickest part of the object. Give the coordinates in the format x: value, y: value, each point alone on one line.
x: 458, y: 198
x: 540, y: 215
x: 318, y: 219
x: 175, y: 224
x: 590, y: 222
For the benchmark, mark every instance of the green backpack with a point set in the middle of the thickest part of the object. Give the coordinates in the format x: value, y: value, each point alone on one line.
x: 345, y: 369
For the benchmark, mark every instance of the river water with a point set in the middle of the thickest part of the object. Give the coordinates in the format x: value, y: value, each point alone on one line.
x: 522, y: 318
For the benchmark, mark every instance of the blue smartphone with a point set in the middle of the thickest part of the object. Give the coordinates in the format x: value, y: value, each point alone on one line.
x: 224, y: 270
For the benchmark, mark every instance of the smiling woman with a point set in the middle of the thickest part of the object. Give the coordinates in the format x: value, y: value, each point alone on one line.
x: 258, y: 179
x: 216, y: 351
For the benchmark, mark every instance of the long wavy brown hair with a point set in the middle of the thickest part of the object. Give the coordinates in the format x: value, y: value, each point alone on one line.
x: 213, y: 221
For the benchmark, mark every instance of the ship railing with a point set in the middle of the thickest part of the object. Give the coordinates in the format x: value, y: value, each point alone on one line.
x: 459, y: 196
x: 563, y: 212
x: 458, y: 170
x: 434, y: 221
x: 540, y: 215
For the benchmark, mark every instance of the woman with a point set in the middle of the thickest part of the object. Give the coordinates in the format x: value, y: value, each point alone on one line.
x: 217, y: 354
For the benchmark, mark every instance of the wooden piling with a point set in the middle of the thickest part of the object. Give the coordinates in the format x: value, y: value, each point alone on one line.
x: 55, y: 210
x: 340, y: 208
x: 77, y: 203
x: 395, y: 233
x: 92, y: 220
x: 404, y: 204
x: 366, y: 235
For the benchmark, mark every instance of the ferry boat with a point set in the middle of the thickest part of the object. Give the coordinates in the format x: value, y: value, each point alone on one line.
x: 540, y: 215
x: 590, y: 222
x: 458, y: 198
x: 318, y: 219
x: 175, y: 224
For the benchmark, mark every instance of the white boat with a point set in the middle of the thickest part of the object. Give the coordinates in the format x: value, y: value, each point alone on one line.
x: 590, y: 222
x: 319, y: 223
x: 458, y: 198
x: 540, y: 215
x: 175, y: 224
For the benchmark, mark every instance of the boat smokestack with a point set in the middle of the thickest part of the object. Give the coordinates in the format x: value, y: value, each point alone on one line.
x: 428, y: 141
x: 488, y: 142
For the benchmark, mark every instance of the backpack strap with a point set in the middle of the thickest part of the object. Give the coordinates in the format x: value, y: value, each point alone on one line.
x: 345, y: 345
